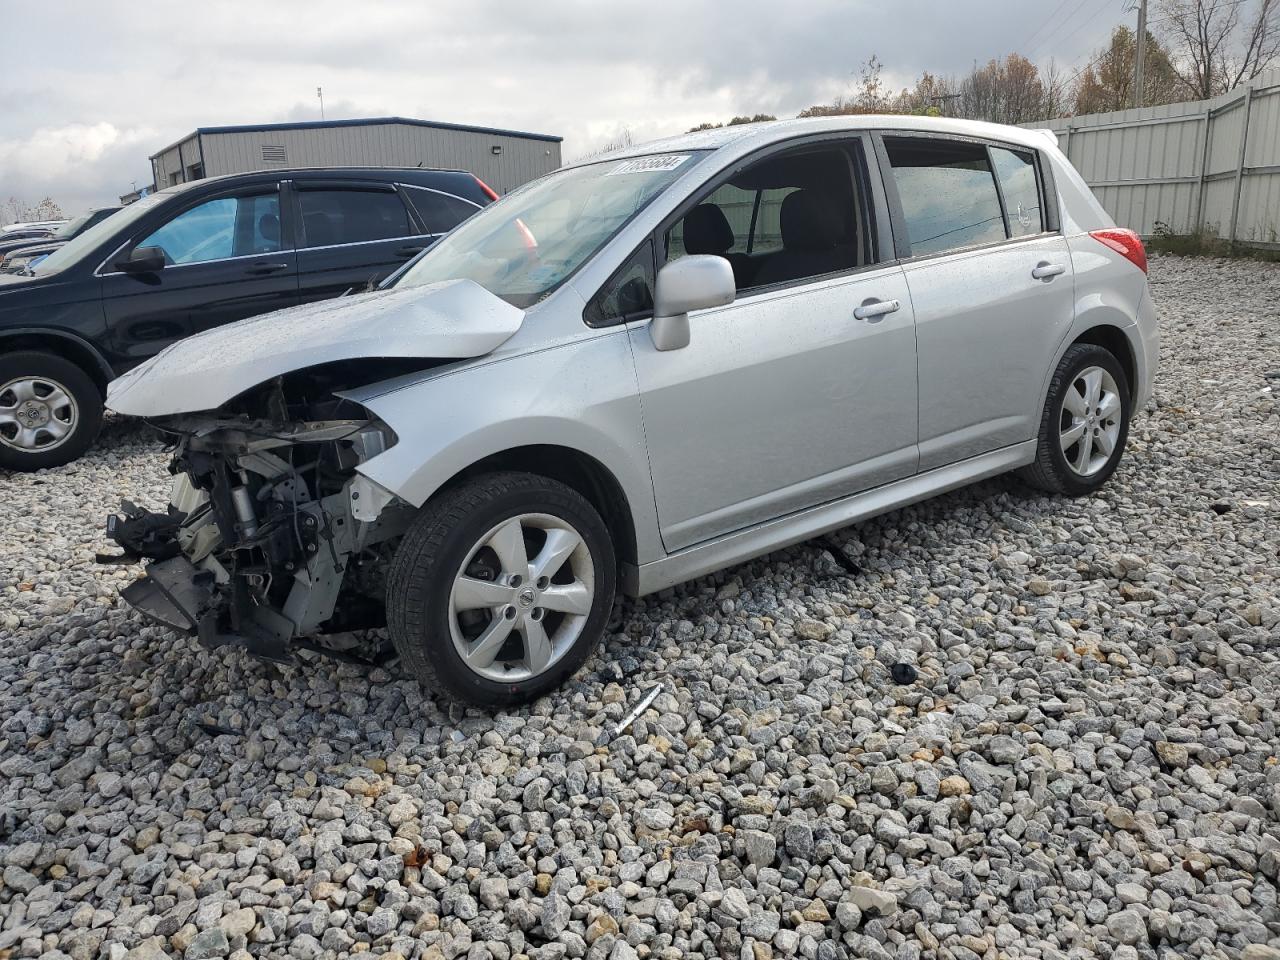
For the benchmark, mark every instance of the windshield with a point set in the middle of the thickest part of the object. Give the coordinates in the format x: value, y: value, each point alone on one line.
x: 100, y: 231
x: 527, y: 244
x: 68, y: 229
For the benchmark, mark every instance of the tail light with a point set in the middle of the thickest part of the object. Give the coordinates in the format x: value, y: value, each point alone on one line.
x: 489, y: 192
x: 1124, y: 242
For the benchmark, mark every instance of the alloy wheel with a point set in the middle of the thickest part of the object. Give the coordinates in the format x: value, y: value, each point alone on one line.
x: 36, y: 414
x: 521, y: 598
x: 1090, y: 421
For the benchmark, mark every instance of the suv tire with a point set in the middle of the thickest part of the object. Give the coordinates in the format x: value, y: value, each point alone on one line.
x: 1084, y: 425
x: 501, y: 588
x: 50, y: 410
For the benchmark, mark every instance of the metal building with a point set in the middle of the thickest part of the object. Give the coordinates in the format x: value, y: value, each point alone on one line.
x: 504, y: 159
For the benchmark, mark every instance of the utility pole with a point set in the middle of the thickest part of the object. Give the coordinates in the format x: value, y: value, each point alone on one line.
x: 1140, y: 55
x: 320, y: 93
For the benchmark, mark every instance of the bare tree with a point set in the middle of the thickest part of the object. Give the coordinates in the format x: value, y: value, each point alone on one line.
x: 619, y: 142
x: 1216, y: 46
x: 20, y: 211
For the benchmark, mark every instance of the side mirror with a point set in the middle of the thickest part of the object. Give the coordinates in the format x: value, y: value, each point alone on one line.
x: 691, y: 283
x: 142, y: 260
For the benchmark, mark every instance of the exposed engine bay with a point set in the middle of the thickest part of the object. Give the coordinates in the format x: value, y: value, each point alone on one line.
x: 271, y: 535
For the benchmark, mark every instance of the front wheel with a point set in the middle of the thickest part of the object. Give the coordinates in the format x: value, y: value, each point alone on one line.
x: 1084, y: 424
x: 501, y: 588
x: 50, y: 410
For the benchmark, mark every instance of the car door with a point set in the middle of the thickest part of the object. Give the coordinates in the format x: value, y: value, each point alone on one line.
x: 991, y: 283
x: 227, y: 256
x: 803, y: 389
x: 353, y: 234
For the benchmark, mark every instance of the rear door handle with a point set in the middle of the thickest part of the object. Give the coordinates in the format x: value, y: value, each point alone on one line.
x: 873, y: 311
x: 1044, y: 270
x: 261, y: 269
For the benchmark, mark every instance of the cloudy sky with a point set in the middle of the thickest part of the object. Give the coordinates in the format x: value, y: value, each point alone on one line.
x: 93, y: 88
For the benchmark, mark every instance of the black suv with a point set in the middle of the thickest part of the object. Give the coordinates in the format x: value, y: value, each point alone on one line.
x: 191, y: 257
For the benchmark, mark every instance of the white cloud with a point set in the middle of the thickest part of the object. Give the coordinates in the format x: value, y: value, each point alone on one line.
x: 81, y: 123
x: 77, y: 165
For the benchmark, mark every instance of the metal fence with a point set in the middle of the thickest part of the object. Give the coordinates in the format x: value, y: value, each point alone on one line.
x: 1210, y: 165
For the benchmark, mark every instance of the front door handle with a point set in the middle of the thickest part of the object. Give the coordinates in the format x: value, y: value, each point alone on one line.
x: 873, y: 311
x: 410, y: 251
x: 262, y: 269
x: 1045, y: 270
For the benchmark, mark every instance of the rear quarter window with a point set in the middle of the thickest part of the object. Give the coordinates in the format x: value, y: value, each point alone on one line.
x: 1016, y: 171
x: 441, y: 212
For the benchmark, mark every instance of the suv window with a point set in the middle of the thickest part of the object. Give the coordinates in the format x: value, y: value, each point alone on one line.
x: 441, y: 212
x: 1016, y: 170
x: 782, y: 219
x: 218, y: 229
x: 628, y: 294
x: 331, y: 217
x: 948, y: 193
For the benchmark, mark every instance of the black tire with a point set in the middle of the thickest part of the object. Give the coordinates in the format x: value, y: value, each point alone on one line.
x: 85, y: 421
x: 431, y: 554
x: 1051, y: 470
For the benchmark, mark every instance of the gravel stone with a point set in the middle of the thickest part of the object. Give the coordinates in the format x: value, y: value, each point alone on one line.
x: 1083, y: 766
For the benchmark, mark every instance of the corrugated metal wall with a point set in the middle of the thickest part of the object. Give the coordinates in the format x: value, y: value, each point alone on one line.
x: 398, y: 145
x: 174, y: 164
x: 1211, y: 163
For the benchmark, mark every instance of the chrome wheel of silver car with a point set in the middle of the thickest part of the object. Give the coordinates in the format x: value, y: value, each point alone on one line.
x: 521, y: 598
x: 1090, y: 421
x: 36, y: 414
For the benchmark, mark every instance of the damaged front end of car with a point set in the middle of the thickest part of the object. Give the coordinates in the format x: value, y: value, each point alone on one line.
x: 271, y: 536
x: 274, y: 535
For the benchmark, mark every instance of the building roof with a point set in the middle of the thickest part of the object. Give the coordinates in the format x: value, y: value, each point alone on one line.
x: 360, y: 122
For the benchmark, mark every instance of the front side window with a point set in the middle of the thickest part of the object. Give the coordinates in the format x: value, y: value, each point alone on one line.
x: 219, y: 229
x: 525, y: 245
x: 948, y: 193
x: 441, y: 212
x: 1016, y: 170
x: 782, y: 219
x: 331, y: 217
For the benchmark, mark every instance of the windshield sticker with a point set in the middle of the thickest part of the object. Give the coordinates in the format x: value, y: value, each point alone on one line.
x: 657, y: 164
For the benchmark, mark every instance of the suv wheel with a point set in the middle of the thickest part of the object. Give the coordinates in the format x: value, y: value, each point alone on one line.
x: 50, y: 410
x: 501, y: 588
x: 1084, y: 425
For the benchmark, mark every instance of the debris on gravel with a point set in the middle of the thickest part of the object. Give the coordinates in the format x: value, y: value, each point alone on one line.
x: 1084, y: 765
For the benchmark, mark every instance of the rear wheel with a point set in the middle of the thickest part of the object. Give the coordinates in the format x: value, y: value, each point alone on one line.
x: 501, y: 588
x: 1084, y: 425
x: 50, y: 410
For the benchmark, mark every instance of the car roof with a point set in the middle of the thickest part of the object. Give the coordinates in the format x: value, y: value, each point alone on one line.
x: 307, y: 171
x: 748, y: 136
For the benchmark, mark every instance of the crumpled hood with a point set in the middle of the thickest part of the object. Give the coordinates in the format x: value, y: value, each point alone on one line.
x: 455, y: 319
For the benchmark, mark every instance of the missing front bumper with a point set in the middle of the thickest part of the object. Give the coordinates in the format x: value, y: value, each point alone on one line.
x: 176, y: 594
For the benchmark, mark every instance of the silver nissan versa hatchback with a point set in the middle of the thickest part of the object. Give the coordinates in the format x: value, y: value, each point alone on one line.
x: 632, y: 372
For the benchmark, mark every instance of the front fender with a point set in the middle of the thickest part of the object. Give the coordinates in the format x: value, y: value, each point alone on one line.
x: 581, y: 395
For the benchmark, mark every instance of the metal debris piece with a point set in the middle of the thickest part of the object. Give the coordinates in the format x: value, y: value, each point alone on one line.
x: 640, y: 708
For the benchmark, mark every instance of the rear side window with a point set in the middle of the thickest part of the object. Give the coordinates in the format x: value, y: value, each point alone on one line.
x: 441, y: 212
x: 1016, y: 170
x: 948, y: 194
x: 332, y: 217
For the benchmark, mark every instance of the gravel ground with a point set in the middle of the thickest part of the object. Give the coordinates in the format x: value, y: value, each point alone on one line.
x: 1086, y: 765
